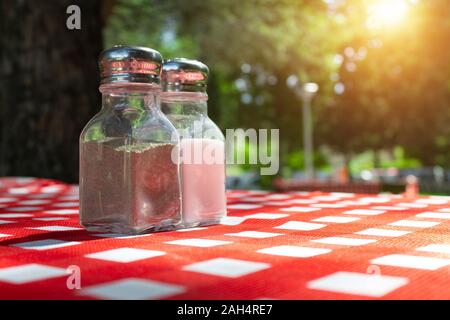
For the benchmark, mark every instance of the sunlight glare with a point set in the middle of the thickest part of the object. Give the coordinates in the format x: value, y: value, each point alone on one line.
x: 387, y: 13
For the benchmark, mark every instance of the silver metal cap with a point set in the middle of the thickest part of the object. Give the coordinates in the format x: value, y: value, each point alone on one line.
x: 130, y: 64
x: 180, y: 74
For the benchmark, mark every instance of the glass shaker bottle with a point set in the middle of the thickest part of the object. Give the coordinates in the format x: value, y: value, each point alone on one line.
x: 184, y: 101
x: 129, y: 153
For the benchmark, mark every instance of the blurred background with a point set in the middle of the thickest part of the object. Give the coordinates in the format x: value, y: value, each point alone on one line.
x: 374, y: 74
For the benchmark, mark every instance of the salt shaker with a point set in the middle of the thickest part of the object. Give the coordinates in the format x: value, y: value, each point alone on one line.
x: 184, y: 101
x: 129, y: 151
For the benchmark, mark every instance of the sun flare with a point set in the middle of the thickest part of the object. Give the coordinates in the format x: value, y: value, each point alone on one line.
x: 387, y: 13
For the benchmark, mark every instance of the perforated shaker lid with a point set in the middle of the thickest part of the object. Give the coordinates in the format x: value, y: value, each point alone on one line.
x: 130, y: 64
x: 180, y: 74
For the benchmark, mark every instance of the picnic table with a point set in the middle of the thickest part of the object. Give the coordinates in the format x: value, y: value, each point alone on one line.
x: 298, y: 245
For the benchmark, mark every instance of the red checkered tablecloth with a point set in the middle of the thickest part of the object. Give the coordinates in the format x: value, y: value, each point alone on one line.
x: 271, y: 246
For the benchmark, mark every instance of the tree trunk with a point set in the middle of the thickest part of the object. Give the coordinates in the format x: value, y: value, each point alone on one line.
x: 48, y: 85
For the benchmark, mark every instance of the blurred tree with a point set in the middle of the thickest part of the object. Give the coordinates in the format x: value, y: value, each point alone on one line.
x: 392, y: 87
x: 251, y: 48
x: 48, y: 82
x: 379, y: 87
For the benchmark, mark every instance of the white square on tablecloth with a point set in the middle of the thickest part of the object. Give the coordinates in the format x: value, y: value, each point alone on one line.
x: 243, y: 206
x: 382, y: 232
x: 15, y: 215
x: 364, y: 212
x: 133, y: 289
x: 300, y: 193
x: 257, y: 191
x: 301, y: 201
x: 327, y: 198
x: 6, y: 221
x: 294, y: 251
x: 3, y: 200
x: 191, y: 229
x: 24, y: 209
x: 52, y: 189
x: 276, y: 203
x: 66, y: 204
x: 50, y: 219
x: 300, y: 225
x: 226, y: 267
x: 343, y: 194
x: 202, y: 243
x: 125, y: 255
x: 387, y: 208
x: 250, y: 199
x: 300, y: 209
x: 33, y: 202
x: 336, y: 219
x: 370, y: 285
x: 267, y: 216
x: 348, y: 203
x: 4, y: 235
x: 433, y: 215
x: 436, y: 248
x: 368, y: 200
x: 119, y: 235
x: 72, y: 197
x: 254, y: 234
x: 231, y: 221
x: 29, y: 273
x: 328, y: 205
x: 56, y: 228
x: 278, y: 196
x: 41, y: 195
x: 19, y: 191
x: 412, y: 205
x: 432, y: 201
x: 236, y: 195
x: 44, y: 244
x: 62, y: 211
x: 408, y: 261
x: 414, y: 223
x: 343, y: 241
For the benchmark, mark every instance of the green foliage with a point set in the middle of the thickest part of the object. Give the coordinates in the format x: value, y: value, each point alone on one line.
x: 295, y: 160
x: 396, y: 159
x: 400, y: 160
x: 395, y: 80
x: 396, y: 93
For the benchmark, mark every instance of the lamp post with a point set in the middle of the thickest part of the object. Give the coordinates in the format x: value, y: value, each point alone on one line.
x: 306, y: 93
